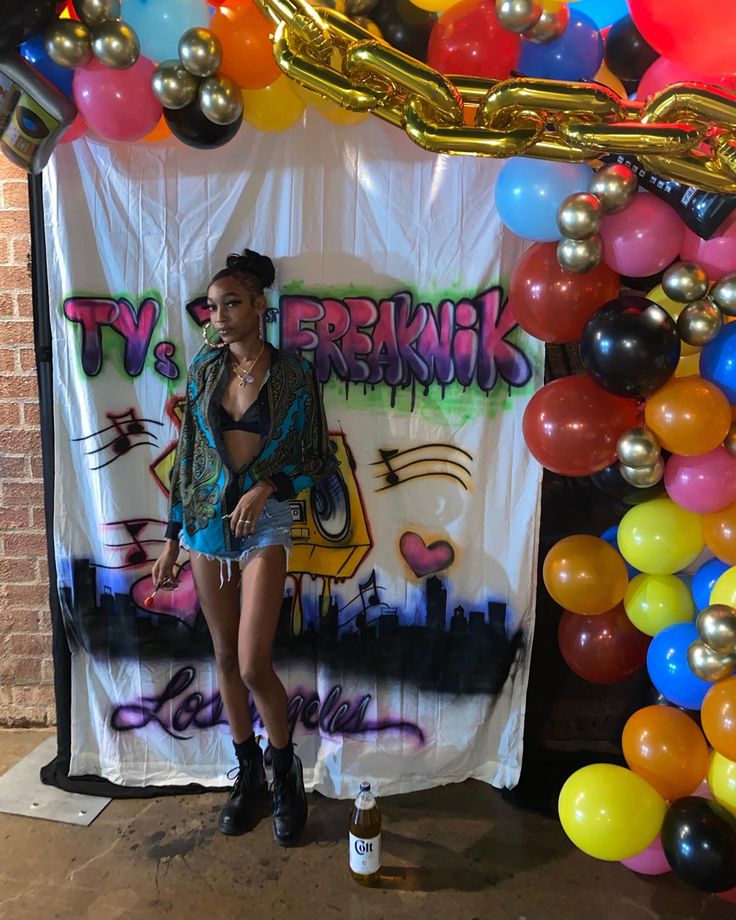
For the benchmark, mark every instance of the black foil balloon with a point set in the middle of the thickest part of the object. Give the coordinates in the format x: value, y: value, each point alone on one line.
x: 405, y: 26
x: 612, y: 483
x: 699, y: 840
x: 627, y: 54
x: 194, y: 129
x: 630, y: 346
x: 21, y: 18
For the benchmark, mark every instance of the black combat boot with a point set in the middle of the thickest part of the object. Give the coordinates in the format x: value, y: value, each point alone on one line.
x: 246, y: 796
x: 289, y: 804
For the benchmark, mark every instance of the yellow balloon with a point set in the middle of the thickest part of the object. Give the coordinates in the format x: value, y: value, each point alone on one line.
x: 609, y: 812
x: 659, y: 537
x: 722, y: 781
x: 434, y: 6
x: 610, y: 80
x: 275, y: 107
x: 688, y: 366
x: 674, y: 309
x: 653, y: 602
x: 340, y: 116
x: 724, y: 590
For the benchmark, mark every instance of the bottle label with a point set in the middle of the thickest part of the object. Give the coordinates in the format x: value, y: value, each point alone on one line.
x: 365, y: 855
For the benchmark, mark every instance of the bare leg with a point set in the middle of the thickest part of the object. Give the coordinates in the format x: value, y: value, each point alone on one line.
x: 263, y: 580
x: 221, y: 608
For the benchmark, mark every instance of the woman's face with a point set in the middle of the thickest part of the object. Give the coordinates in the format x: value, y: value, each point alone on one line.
x: 235, y: 311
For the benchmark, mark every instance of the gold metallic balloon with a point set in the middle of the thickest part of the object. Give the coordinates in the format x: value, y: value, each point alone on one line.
x: 360, y: 7
x: 115, y: 44
x: 550, y: 25
x: 685, y: 282
x: 717, y: 628
x: 643, y: 477
x: 518, y: 15
x: 200, y: 52
x: 699, y: 323
x: 580, y: 216
x: 365, y: 23
x: 579, y: 256
x: 68, y: 43
x: 95, y: 11
x: 707, y: 664
x: 173, y: 85
x: 638, y: 448
x: 723, y: 294
x: 221, y: 99
x: 615, y: 185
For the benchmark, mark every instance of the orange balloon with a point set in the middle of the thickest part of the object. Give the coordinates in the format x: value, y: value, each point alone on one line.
x: 667, y: 749
x: 689, y: 415
x: 719, y: 532
x: 247, y: 55
x: 718, y: 717
x: 585, y: 575
x: 161, y: 132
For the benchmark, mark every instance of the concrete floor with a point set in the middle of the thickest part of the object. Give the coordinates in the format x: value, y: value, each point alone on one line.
x: 454, y: 853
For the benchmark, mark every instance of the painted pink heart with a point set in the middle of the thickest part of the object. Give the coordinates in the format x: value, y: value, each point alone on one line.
x: 423, y: 559
x: 181, y: 603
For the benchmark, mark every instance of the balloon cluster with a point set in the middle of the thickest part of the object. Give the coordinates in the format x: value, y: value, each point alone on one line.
x: 97, y: 33
x: 530, y: 19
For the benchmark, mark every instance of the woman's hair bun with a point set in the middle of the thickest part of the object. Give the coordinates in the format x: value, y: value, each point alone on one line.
x: 252, y: 263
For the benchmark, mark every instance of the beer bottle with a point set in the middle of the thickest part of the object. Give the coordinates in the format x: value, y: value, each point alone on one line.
x: 365, y: 836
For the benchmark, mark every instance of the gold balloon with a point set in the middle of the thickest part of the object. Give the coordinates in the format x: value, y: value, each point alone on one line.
x: 615, y: 185
x: 717, y: 628
x: 643, y: 477
x: 365, y: 23
x: 276, y: 107
x: 580, y: 256
x: 685, y: 282
x: 707, y: 664
x: 221, y: 99
x: 723, y: 294
x: 700, y: 322
x: 96, y: 11
x: 115, y: 44
x: 360, y: 7
x: 518, y: 15
x: 674, y: 309
x: 173, y: 85
x: 638, y: 448
x: 730, y: 441
x: 200, y: 52
x: 68, y: 43
x: 550, y: 26
x: 580, y: 216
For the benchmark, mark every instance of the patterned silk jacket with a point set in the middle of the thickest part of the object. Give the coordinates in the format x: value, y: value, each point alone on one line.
x: 296, y: 450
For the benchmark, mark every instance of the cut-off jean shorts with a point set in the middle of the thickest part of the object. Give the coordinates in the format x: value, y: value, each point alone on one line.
x: 273, y: 528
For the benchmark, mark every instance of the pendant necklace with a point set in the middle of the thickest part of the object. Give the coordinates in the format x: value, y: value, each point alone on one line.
x: 245, y: 376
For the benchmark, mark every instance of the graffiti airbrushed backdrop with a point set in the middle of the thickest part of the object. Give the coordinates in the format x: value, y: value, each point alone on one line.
x: 407, y: 621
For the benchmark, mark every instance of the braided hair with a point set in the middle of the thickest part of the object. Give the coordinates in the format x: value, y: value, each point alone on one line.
x: 250, y: 268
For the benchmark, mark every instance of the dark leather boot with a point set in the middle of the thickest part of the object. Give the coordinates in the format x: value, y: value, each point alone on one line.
x: 289, y: 805
x: 245, y: 797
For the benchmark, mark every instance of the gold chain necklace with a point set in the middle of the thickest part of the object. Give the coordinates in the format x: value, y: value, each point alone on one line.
x: 245, y: 376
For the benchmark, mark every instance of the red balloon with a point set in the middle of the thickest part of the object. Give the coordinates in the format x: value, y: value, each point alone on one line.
x: 572, y: 426
x: 605, y: 649
x: 553, y: 305
x: 468, y: 39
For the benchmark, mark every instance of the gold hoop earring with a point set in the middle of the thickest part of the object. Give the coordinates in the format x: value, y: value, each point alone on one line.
x: 208, y: 340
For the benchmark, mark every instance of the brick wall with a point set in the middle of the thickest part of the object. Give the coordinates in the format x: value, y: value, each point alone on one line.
x: 26, y: 670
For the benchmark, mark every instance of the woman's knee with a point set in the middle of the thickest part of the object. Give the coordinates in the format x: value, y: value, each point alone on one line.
x: 226, y: 660
x: 256, y: 674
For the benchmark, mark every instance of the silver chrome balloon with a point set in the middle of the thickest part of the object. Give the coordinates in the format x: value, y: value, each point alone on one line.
x: 173, y: 85
x: 638, y: 448
x: 730, y: 440
x: 517, y: 15
x: 717, y: 628
x: 699, y: 323
x: 643, y: 477
x: 723, y: 294
x: 68, y: 43
x: 115, y: 44
x: 200, y: 52
x: 615, y: 185
x: 221, y: 100
x: 95, y: 11
x: 685, y: 282
x: 550, y: 26
x: 707, y: 664
x: 579, y: 256
x: 580, y: 216
x: 360, y: 7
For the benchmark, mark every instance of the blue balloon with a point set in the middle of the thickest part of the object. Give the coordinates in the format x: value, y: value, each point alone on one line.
x: 603, y: 12
x: 611, y: 537
x: 34, y: 52
x: 718, y: 361
x: 159, y: 24
x: 669, y: 670
x: 529, y: 192
x: 576, y: 55
x: 704, y: 579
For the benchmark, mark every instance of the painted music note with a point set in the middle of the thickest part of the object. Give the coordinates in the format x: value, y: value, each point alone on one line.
x: 435, y: 460
x: 135, y: 550
x: 125, y: 432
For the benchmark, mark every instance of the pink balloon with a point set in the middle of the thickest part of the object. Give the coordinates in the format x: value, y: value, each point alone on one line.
x: 704, y: 483
x: 651, y: 861
x: 642, y: 239
x: 119, y: 105
x: 664, y: 73
x: 717, y: 255
x: 75, y: 130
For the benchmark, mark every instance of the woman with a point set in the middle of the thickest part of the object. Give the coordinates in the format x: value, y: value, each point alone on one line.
x: 253, y: 435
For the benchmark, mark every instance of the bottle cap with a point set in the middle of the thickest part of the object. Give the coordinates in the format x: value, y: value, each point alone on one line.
x: 365, y: 786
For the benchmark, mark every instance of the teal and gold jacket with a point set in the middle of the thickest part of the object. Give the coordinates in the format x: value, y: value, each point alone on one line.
x: 295, y: 452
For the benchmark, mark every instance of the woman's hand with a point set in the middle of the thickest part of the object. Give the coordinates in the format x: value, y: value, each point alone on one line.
x: 244, y: 517
x: 162, y: 573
